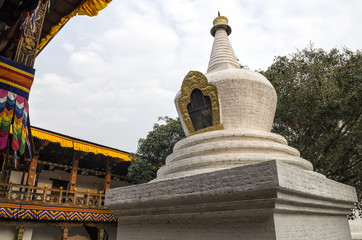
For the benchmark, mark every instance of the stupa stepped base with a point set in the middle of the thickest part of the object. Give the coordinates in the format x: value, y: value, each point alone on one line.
x: 216, y: 150
x: 268, y: 200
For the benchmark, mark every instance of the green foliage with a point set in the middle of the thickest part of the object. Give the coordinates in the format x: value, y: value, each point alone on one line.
x: 153, y: 150
x: 140, y: 170
x: 356, y: 211
x: 160, y: 141
x: 319, y: 109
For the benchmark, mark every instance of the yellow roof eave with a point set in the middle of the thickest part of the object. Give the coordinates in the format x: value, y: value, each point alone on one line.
x: 78, y: 145
x: 88, y: 8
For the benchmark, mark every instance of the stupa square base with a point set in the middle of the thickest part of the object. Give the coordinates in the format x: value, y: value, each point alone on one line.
x: 269, y: 200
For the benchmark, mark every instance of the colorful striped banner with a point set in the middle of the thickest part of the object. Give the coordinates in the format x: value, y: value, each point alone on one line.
x: 15, y: 83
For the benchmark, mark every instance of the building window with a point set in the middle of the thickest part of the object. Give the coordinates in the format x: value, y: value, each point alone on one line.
x: 200, y: 110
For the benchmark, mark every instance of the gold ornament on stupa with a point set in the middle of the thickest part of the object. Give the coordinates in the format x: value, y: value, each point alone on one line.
x: 220, y: 21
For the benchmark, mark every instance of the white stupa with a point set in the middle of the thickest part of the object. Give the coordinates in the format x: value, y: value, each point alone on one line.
x: 243, y: 104
x: 231, y: 178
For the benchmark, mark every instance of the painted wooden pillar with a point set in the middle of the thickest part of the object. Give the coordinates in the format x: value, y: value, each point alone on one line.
x: 20, y: 233
x: 107, y: 179
x: 65, y: 231
x: 73, y: 172
x: 100, y: 233
x: 32, y: 171
x: 34, y: 164
x: 2, y: 165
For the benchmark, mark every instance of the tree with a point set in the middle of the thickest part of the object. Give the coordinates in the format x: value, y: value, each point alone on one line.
x: 140, y: 170
x: 319, y: 109
x: 153, y: 150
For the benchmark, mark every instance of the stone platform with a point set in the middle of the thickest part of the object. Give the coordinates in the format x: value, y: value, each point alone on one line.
x: 268, y: 200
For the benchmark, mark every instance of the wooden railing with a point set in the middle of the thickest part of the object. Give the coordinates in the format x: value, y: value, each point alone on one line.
x: 23, y: 194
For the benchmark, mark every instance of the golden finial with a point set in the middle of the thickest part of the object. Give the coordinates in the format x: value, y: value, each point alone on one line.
x: 220, y: 21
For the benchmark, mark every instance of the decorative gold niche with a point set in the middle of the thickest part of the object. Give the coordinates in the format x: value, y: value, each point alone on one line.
x: 197, y: 80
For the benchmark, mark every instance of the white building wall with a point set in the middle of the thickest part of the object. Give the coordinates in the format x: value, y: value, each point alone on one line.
x: 78, y: 233
x: 112, y: 232
x: 46, y: 233
x: 7, y: 233
x: 16, y: 177
x: 28, y: 234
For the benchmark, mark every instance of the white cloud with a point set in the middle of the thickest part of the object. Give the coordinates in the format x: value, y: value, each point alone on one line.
x: 68, y: 47
x: 87, y: 64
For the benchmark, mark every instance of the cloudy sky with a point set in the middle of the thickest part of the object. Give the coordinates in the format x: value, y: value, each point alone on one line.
x: 108, y: 78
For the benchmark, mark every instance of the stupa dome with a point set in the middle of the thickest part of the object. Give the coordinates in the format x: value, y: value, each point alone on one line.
x: 227, y: 115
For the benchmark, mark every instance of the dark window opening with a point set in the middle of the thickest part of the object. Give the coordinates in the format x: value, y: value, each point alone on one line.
x: 200, y: 110
x: 59, y: 183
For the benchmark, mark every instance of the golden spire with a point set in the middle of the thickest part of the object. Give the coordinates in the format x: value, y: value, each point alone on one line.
x: 220, y: 21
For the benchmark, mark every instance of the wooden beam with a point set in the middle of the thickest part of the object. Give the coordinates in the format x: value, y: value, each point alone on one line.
x: 50, y: 22
x: 40, y: 162
x: 107, y: 178
x: 80, y: 169
x: 73, y: 172
x: 20, y: 233
x: 32, y: 171
x: 69, y: 5
x: 100, y: 233
x: 60, y: 15
x: 65, y: 230
x: 34, y: 164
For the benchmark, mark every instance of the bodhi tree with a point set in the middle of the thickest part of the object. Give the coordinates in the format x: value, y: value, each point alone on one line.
x: 319, y: 109
x: 153, y: 150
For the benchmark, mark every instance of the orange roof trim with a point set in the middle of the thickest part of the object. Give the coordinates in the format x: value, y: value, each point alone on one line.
x: 78, y: 144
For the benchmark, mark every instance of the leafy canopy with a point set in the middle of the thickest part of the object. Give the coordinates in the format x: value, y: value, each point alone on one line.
x: 319, y: 109
x: 153, y: 150
x: 140, y: 170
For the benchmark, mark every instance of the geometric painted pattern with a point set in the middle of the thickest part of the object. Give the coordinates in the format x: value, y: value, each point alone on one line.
x: 45, y: 213
x: 9, y: 211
